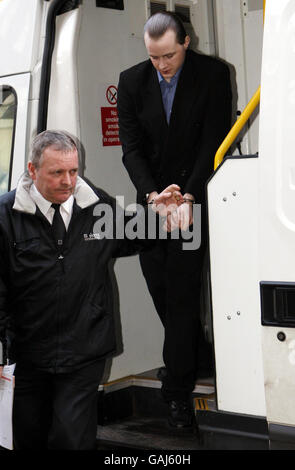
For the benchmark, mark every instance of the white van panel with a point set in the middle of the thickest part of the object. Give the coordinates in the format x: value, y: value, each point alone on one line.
x: 233, y: 229
x: 63, y: 103
x: 277, y: 198
x: 20, y: 26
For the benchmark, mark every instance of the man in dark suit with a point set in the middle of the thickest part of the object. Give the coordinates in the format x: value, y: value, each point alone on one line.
x: 174, y: 112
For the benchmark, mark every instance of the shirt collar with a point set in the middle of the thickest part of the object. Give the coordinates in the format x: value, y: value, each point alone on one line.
x: 83, y: 194
x: 68, y: 205
x: 173, y: 79
x: 45, y: 205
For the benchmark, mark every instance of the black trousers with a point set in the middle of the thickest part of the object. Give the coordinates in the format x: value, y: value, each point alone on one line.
x: 56, y: 410
x: 173, y: 278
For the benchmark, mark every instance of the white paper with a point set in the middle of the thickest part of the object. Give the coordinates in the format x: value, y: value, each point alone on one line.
x: 6, y: 403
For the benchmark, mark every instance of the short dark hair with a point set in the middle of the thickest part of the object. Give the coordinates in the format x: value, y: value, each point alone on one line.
x: 162, y: 21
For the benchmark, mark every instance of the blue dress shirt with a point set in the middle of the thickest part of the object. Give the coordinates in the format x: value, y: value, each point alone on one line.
x: 168, y: 92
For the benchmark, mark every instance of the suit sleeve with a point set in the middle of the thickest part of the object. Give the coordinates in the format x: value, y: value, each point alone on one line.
x: 132, y: 140
x: 215, y: 127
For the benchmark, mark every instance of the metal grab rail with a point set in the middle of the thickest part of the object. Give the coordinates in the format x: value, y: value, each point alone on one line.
x: 239, y: 124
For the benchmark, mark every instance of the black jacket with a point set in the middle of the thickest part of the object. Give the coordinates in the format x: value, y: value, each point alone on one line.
x: 57, y: 308
x: 157, y: 154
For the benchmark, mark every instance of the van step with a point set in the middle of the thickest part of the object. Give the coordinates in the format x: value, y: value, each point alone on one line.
x: 133, y: 415
x: 144, y: 433
x: 140, y: 396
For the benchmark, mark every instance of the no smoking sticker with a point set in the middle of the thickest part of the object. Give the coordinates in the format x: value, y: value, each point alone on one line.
x: 112, y: 95
x: 109, y: 116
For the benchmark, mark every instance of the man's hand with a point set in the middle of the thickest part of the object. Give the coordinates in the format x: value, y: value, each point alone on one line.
x: 181, y: 218
x: 185, y: 215
x: 168, y: 200
x: 172, y: 222
x: 1, y: 371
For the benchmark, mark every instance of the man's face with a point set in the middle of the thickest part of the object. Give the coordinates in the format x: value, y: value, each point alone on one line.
x: 56, y: 176
x: 166, y: 54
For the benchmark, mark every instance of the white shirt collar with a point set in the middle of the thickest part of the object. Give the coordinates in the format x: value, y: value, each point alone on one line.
x: 84, y: 195
x: 44, y: 205
x: 40, y: 201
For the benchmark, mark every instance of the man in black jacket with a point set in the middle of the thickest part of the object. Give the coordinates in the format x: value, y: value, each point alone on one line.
x: 174, y: 112
x: 55, y: 296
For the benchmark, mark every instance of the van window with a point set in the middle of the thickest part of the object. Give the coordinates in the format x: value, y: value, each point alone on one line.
x: 114, y: 4
x: 7, y: 125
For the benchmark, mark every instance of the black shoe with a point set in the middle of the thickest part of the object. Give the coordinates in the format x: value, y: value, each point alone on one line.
x: 180, y: 414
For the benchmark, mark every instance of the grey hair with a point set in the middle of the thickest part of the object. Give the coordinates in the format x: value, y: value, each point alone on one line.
x: 59, y: 140
x: 162, y: 21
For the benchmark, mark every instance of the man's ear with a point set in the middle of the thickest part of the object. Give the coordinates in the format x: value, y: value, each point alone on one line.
x: 187, y: 41
x: 32, y: 170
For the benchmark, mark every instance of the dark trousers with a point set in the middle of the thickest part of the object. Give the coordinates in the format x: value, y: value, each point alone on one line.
x: 56, y: 410
x: 173, y: 278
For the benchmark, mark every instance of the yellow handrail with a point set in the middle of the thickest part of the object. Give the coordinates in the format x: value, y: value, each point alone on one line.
x: 264, y: 2
x: 239, y: 124
x: 236, y: 129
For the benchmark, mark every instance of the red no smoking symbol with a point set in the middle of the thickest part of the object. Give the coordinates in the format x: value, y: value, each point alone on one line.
x: 112, y: 94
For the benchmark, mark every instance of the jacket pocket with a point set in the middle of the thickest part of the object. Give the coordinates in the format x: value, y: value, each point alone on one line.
x: 28, y: 245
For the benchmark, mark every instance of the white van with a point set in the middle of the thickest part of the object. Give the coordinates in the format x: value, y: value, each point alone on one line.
x: 59, y: 69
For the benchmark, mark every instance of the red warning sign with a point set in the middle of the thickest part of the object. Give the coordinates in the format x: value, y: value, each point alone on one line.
x: 110, y: 127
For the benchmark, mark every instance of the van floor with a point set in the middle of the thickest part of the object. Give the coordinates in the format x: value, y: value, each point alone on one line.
x: 134, y: 416
x: 145, y: 434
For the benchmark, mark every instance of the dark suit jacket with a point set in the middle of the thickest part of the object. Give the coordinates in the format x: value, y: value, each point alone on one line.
x: 157, y: 154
